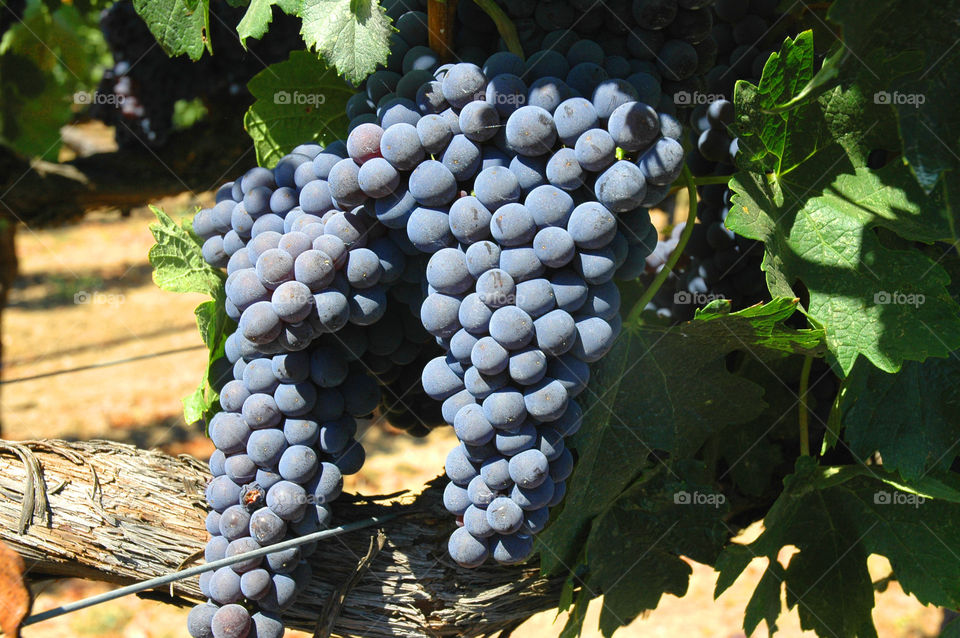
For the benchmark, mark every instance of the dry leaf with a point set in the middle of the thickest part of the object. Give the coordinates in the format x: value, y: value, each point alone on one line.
x: 14, y: 595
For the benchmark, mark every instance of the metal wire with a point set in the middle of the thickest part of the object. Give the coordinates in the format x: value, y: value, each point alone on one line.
x: 104, y: 364
x: 199, y: 569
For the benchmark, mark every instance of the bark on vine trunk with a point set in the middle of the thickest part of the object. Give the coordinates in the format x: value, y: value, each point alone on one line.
x: 107, y: 511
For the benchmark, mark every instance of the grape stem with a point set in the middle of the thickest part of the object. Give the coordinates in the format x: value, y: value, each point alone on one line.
x: 707, y: 180
x: 804, y: 417
x: 505, y: 26
x: 635, y: 312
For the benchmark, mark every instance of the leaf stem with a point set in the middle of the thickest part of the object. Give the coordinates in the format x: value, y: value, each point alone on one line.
x: 661, y: 277
x: 804, y: 412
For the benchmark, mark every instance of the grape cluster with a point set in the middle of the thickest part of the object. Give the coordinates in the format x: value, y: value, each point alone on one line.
x: 138, y: 93
x: 529, y: 203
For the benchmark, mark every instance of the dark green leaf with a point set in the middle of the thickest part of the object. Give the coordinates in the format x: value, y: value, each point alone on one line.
x: 663, y: 393
x: 815, y: 213
x: 912, y: 417
x: 300, y: 100
x: 178, y: 28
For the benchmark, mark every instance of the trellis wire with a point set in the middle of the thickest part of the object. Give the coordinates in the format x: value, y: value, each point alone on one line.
x: 199, y: 569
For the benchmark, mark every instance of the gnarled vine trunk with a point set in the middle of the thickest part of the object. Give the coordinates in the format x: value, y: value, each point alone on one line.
x: 107, y: 511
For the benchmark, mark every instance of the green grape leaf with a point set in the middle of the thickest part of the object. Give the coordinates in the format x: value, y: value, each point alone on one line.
x: 642, y: 403
x: 214, y: 327
x: 297, y: 101
x: 924, y: 98
x: 817, y: 211
x: 177, y: 260
x: 256, y: 21
x: 178, y: 28
x: 836, y: 525
x: 352, y: 35
x: 634, y: 549
x: 912, y: 417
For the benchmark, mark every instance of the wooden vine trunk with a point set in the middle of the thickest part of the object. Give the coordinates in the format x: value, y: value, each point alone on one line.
x: 107, y: 511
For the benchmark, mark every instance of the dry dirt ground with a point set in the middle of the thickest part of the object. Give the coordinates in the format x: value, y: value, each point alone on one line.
x: 85, y: 297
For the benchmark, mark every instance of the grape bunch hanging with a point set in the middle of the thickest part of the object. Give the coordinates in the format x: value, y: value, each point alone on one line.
x: 471, y: 226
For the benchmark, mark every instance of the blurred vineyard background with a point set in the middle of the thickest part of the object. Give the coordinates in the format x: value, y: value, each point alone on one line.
x: 93, y: 350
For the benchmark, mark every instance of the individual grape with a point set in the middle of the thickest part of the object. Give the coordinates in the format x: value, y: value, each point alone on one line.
x: 316, y: 197
x: 495, y: 288
x: 529, y: 499
x: 595, y: 338
x: 361, y: 394
x: 255, y: 584
x: 295, y: 399
x: 555, y: 332
x: 546, y: 400
x: 266, y: 527
x: 229, y: 432
x: 549, y: 205
x: 462, y: 158
x: 574, y: 117
x: 495, y: 187
x: 504, y: 516
x: 474, y: 315
x: 611, y: 94
x: 455, y: 499
x: 663, y: 163
x: 548, y: 93
x: 440, y: 315
x: 378, y: 178
x: 265, y: 447
x: 511, y: 327
x: 274, y: 267
x: 529, y: 171
x: 244, y: 545
x: 595, y: 150
x: 233, y: 395
x: 447, y: 272
x: 515, y: 440
x: 504, y: 408
x: 621, y: 187
x: 439, y: 381
x: 344, y: 181
x: 225, y: 587
x: 333, y: 310
x: 513, y: 549
x: 554, y: 247
x: 432, y: 184
x: 571, y: 372
x: 482, y: 256
x: 401, y: 146
x: 496, y: 473
x: 459, y: 470
x: 633, y: 126
x: 471, y: 426
x: 466, y: 550
x: 461, y: 345
x: 240, y: 468
x: 334, y: 435
x: 475, y: 522
x: 200, y: 619
x: 564, y: 171
x: 489, y: 357
x: 298, y: 464
x: 212, y: 522
x: 506, y: 92
x: 591, y: 226
x: 529, y: 468
x: 434, y: 133
x: 363, y: 144
x: 462, y: 84
x: 363, y: 268
x: 512, y: 224
x: 287, y: 500
x: 528, y: 366
x: 222, y: 493
x: 531, y: 131
x: 481, y: 495
x: 327, y: 484
x: 469, y: 220
x: 480, y: 121
x: 398, y: 110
